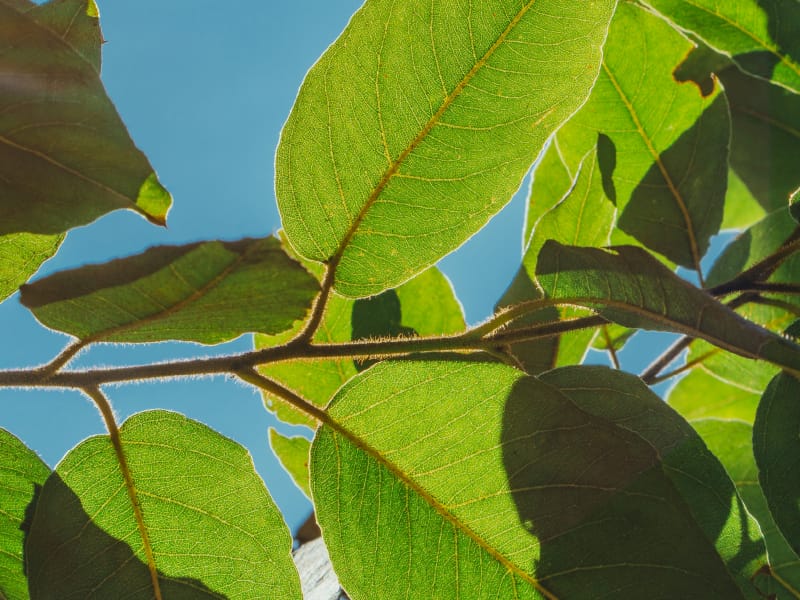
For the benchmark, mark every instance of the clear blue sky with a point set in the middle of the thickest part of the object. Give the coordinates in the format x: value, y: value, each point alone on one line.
x: 205, y: 89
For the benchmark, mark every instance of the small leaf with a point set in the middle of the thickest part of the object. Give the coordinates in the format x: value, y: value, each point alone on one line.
x: 741, y: 207
x: 21, y: 254
x: 22, y: 475
x: 212, y: 526
x: 292, y: 452
x: 776, y: 444
x: 207, y: 292
x: 65, y: 155
x: 443, y: 479
x: 762, y: 36
x: 731, y: 443
x: 700, y: 395
x: 551, y: 181
x: 630, y: 287
x: 425, y: 305
x: 616, y: 337
x: 419, y: 123
x: 667, y: 142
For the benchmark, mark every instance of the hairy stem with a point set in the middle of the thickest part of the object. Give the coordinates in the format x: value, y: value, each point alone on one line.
x: 107, y: 413
x: 318, y: 308
x: 683, y: 368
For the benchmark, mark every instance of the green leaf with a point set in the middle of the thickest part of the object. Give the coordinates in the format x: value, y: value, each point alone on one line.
x: 443, y: 479
x: 616, y: 336
x: 731, y: 443
x: 584, y: 216
x: 212, y: 526
x: 425, y: 305
x: 292, y: 452
x: 630, y: 287
x: 699, y: 395
x: 762, y: 36
x: 776, y: 444
x: 208, y: 292
x: 551, y: 181
x: 741, y: 207
x: 667, y: 142
x: 21, y: 254
x: 419, y: 107
x: 66, y: 156
x: 22, y: 474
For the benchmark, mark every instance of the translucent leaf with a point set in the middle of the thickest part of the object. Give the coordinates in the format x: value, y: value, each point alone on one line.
x: 700, y: 395
x: 731, y: 443
x: 447, y: 479
x: 741, y: 207
x: 633, y: 289
x: 208, y: 292
x: 211, y: 525
x: 668, y: 144
x: 22, y: 474
x: 419, y: 123
x: 293, y: 454
x: 762, y: 36
x: 551, y: 181
x: 21, y: 254
x: 776, y: 444
x: 425, y: 305
x: 66, y: 156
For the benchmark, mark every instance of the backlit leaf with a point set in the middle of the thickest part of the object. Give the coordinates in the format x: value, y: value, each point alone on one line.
x: 451, y: 479
x: 213, y: 528
x: 208, y: 292
x: 21, y: 254
x: 762, y: 36
x: 551, y: 181
x: 667, y: 143
x: 22, y: 474
x: 419, y: 123
x: 293, y: 454
x: 65, y: 155
x: 776, y: 444
x: 630, y: 287
x: 699, y: 395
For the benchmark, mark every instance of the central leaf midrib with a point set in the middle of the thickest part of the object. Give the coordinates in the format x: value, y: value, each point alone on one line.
x: 395, y: 165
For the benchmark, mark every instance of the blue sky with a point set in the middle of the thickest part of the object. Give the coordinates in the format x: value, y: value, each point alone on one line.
x: 205, y: 92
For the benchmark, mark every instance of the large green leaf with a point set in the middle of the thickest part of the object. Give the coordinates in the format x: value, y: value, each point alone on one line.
x: 667, y: 144
x: 446, y: 479
x: 700, y: 395
x: 765, y: 34
x: 207, y: 292
x: 776, y: 444
x: 425, y: 305
x: 22, y: 474
x: 584, y: 216
x: 630, y: 287
x: 66, y: 156
x: 419, y: 123
x: 731, y: 443
x: 213, y: 529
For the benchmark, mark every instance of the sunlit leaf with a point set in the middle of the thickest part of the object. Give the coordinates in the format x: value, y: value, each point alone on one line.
x: 21, y: 254
x: 419, y: 123
x: 447, y: 479
x: 630, y: 287
x: 293, y: 454
x: 762, y: 36
x: 741, y: 207
x: 776, y: 444
x: 207, y: 292
x: 212, y: 526
x: 731, y: 443
x: 667, y: 143
x: 700, y: 395
x: 615, y: 337
x: 22, y: 474
x: 65, y: 155
x: 551, y: 181
x: 425, y: 305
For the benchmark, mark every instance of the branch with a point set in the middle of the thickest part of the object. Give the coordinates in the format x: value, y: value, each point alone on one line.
x: 107, y: 413
x: 318, y: 309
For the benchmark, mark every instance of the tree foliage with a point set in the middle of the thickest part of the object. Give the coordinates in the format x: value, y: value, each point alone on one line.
x: 447, y: 461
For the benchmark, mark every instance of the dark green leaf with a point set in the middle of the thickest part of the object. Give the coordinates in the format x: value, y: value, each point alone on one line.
x: 213, y: 528
x: 630, y: 287
x: 208, y: 292
x: 731, y: 443
x: 615, y: 337
x: 667, y: 143
x: 65, y: 154
x: 419, y: 123
x: 293, y: 454
x: 776, y: 444
x: 22, y: 474
x: 762, y: 36
x: 468, y: 479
